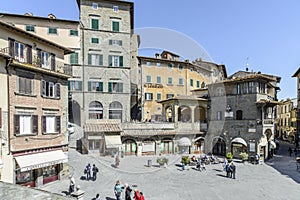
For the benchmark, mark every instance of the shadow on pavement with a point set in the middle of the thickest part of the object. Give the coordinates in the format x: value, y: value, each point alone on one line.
x: 108, y: 198
x: 222, y: 175
x: 218, y: 170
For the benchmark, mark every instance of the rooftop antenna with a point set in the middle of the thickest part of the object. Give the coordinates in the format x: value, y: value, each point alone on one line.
x: 247, y: 65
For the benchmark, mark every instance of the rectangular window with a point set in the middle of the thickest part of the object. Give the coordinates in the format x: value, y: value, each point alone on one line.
x: 180, y: 67
x: 95, y: 86
x: 198, y: 84
x: 115, y: 42
x: 95, y: 59
x: 95, y: 24
x: 115, y: 61
x: 95, y: 6
x: 19, y: 51
x: 25, y: 85
x: 50, y: 89
x: 52, y: 30
x: 148, y: 79
x: 75, y: 85
x: 50, y: 124
x: 45, y: 59
x: 158, y: 79
x: 30, y: 28
x: 74, y: 32
x: 191, y: 82
x: 74, y: 58
x: 238, y: 89
x: 158, y: 96
x: 115, y: 26
x: 148, y: 96
x: 115, y: 87
x: 180, y: 81
x: 169, y: 96
x: 116, y: 8
x: 25, y: 124
x: 95, y: 40
x: 170, y: 81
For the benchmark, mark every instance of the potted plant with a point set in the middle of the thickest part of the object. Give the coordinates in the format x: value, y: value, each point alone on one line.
x: 244, y: 156
x: 229, y: 156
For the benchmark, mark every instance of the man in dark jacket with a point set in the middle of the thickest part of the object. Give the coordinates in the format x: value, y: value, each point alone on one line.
x: 127, y: 192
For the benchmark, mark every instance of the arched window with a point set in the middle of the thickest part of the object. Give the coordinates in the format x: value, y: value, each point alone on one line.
x: 115, y: 110
x: 239, y: 115
x: 95, y: 110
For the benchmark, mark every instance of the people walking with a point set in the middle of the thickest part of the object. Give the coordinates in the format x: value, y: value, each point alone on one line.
x: 117, y: 161
x: 227, y: 169
x: 118, y: 190
x: 72, y: 185
x: 97, y: 197
x: 127, y: 192
x: 95, y: 171
x: 88, y: 171
x: 142, y: 196
x: 257, y: 159
x: 137, y: 195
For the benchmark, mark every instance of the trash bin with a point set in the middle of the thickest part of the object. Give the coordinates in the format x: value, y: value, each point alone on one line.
x: 149, y: 163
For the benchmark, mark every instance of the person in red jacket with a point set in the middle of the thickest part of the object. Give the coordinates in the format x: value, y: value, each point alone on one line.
x: 137, y: 195
x: 142, y: 196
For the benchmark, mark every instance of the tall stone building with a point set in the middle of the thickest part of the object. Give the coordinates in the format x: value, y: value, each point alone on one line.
x: 241, y: 113
x: 34, y: 114
x: 297, y: 134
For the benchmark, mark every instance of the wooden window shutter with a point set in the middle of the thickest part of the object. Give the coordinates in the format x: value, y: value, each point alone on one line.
x: 121, y: 61
x: 43, y: 88
x: 89, y: 86
x: 34, y: 124
x: 120, y: 87
x: 109, y: 87
x: 110, y: 42
x: 17, y: 124
x: 89, y: 59
x: 44, y: 128
x: 110, y: 60
x: 57, y: 90
x: 101, y: 60
x: 29, y: 54
x: 11, y: 43
x: 53, y: 64
x: 38, y: 57
x: 101, y: 86
x: 57, y: 127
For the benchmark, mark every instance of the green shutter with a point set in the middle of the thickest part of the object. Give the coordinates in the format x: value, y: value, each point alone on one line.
x: 121, y: 61
x: 115, y: 26
x: 101, y: 60
x: 89, y: 59
x: 69, y: 85
x: 198, y: 84
x: 110, y: 60
x: 80, y: 85
x: 95, y: 24
x: 110, y: 42
x: 120, y: 87
x: 89, y: 86
x: 101, y: 86
x: 109, y: 87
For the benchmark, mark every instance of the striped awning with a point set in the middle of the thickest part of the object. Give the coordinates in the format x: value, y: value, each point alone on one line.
x: 107, y: 127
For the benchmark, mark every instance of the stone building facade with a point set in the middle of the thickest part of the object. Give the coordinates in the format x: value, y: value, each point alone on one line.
x: 241, y: 115
x: 286, y: 119
x: 297, y: 133
x: 34, y: 141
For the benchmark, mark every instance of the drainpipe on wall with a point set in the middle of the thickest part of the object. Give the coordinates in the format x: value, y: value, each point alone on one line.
x: 8, y: 109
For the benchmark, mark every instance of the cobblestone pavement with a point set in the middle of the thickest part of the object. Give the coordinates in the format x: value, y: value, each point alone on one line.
x: 275, y: 179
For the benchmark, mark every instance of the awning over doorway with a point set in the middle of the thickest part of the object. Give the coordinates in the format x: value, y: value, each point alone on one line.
x: 239, y: 140
x: 113, y: 141
x: 272, y: 145
x: 184, y: 142
x: 39, y: 160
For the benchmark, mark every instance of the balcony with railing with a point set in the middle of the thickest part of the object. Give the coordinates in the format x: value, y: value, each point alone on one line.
x: 47, y: 62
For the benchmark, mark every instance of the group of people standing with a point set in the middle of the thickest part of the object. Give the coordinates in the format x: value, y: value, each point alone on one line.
x: 91, y: 170
x: 118, y: 189
x: 230, y: 169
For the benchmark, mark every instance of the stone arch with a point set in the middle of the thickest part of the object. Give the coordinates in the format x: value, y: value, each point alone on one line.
x: 199, y: 114
x: 169, y: 113
x: 184, y: 114
x: 219, y: 146
x: 238, y: 145
x: 166, y: 146
x: 199, y: 145
x: 129, y: 147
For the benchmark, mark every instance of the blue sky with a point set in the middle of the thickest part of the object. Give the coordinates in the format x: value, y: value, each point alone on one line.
x: 264, y: 34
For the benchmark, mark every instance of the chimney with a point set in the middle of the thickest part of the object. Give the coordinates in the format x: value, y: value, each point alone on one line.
x: 157, y: 55
x: 28, y: 14
x: 51, y: 16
